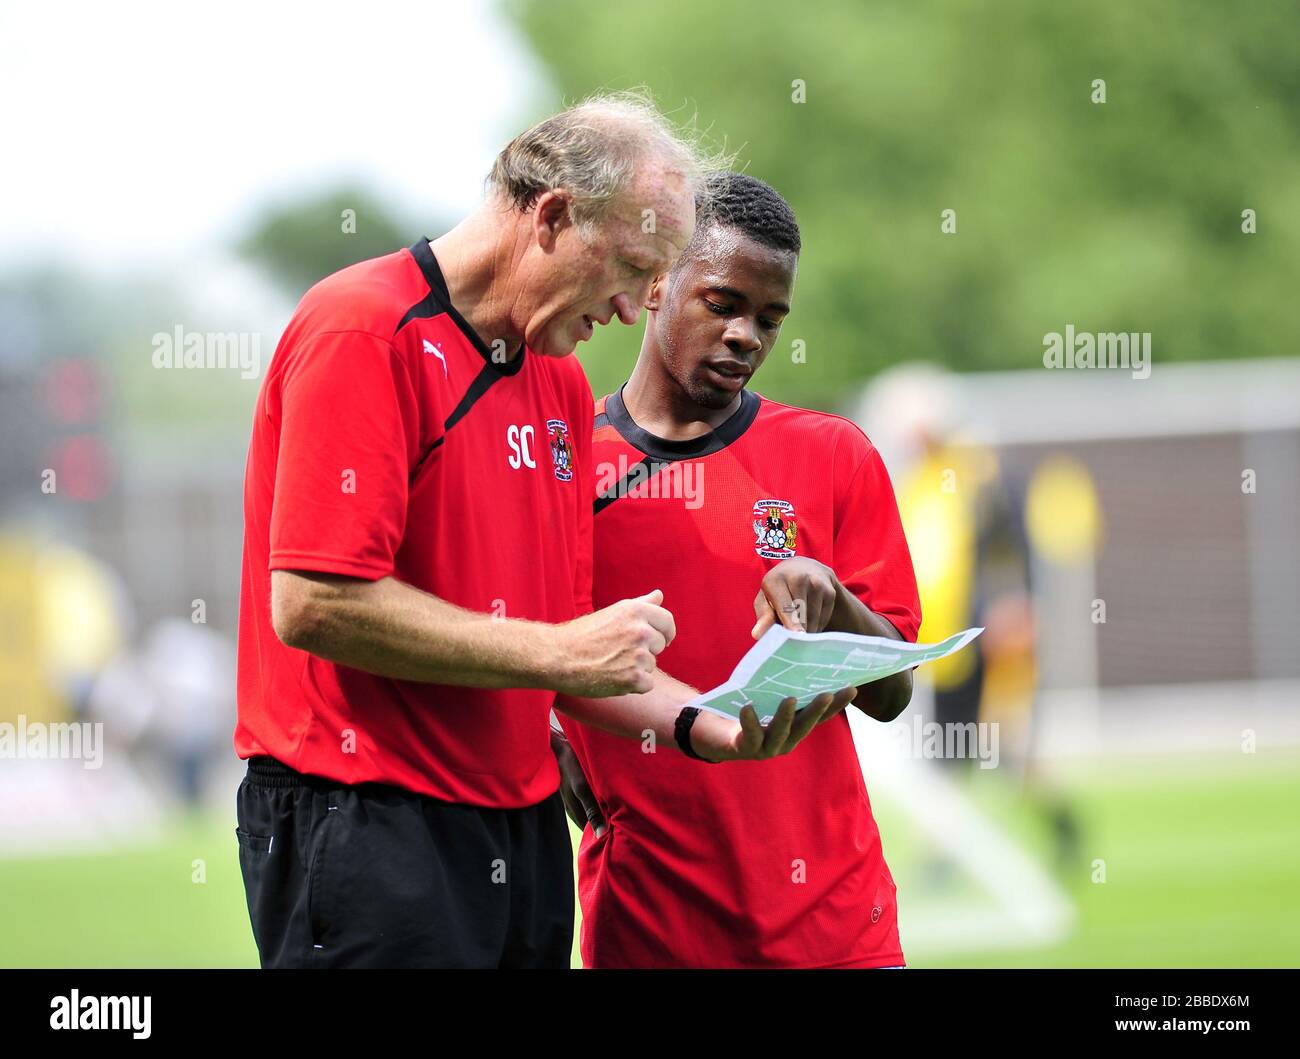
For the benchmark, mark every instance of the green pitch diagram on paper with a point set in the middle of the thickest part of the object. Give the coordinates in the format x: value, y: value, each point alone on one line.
x: 785, y: 664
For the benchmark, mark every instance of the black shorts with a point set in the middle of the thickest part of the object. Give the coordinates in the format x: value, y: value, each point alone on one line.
x: 377, y: 876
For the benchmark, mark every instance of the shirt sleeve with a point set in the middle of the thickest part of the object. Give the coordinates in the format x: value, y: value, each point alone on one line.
x: 871, y: 556
x: 348, y: 436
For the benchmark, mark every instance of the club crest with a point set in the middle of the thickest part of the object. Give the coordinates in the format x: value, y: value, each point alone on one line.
x: 557, y: 431
x: 775, y: 529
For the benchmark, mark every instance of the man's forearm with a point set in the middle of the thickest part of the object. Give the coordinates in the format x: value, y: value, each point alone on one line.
x: 882, y: 700
x: 634, y: 715
x: 391, y: 629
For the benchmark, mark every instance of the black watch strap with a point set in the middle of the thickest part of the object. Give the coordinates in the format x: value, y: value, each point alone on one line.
x: 682, y: 732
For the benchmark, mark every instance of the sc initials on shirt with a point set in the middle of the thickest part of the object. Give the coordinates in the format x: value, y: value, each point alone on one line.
x: 521, y: 440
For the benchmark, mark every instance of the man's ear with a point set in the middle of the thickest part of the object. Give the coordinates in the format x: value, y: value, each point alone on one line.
x: 656, y: 291
x: 550, y: 217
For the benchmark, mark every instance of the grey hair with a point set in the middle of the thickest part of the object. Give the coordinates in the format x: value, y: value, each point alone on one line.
x: 592, y: 149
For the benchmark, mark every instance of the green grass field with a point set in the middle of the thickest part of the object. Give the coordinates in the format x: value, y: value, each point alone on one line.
x: 1202, y: 858
x: 1202, y: 862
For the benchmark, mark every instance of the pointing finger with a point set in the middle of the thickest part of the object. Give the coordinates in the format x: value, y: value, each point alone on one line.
x: 766, y: 618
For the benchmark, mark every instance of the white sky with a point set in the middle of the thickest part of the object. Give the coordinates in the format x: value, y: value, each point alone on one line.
x: 134, y: 132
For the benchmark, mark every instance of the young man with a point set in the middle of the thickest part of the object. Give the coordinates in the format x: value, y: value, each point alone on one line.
x: 745, y: 512
x: 417, y: 565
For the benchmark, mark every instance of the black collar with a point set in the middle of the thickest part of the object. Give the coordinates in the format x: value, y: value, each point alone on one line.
x: 423, y: 254
x: 691, y: 448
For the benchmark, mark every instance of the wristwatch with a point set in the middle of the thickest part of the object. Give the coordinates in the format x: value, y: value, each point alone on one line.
x: 682, y: 732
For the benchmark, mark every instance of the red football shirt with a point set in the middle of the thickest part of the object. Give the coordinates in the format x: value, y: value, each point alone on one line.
x: 754, y: 864
x: 387, y: 442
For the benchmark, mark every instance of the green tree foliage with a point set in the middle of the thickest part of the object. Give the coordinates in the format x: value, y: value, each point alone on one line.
x: 1117, y: 216
x: 303, y: 241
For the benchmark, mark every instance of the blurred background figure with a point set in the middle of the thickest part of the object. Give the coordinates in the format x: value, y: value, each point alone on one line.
x: 973, y: 551
x: 172, y: 701
x: 64, y: 614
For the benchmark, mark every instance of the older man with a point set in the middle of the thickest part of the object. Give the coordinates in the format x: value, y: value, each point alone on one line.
x: 417, y: 569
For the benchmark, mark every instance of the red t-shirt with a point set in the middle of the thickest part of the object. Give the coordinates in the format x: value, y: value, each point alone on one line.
x: 387, y: 442
x: 754, y: 864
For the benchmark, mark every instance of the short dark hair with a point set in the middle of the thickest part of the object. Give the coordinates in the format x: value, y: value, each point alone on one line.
x: 743, y: 202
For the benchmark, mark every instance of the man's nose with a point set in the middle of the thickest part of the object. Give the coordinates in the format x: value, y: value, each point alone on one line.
x: 742, y: 338
x: 628, y: 311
